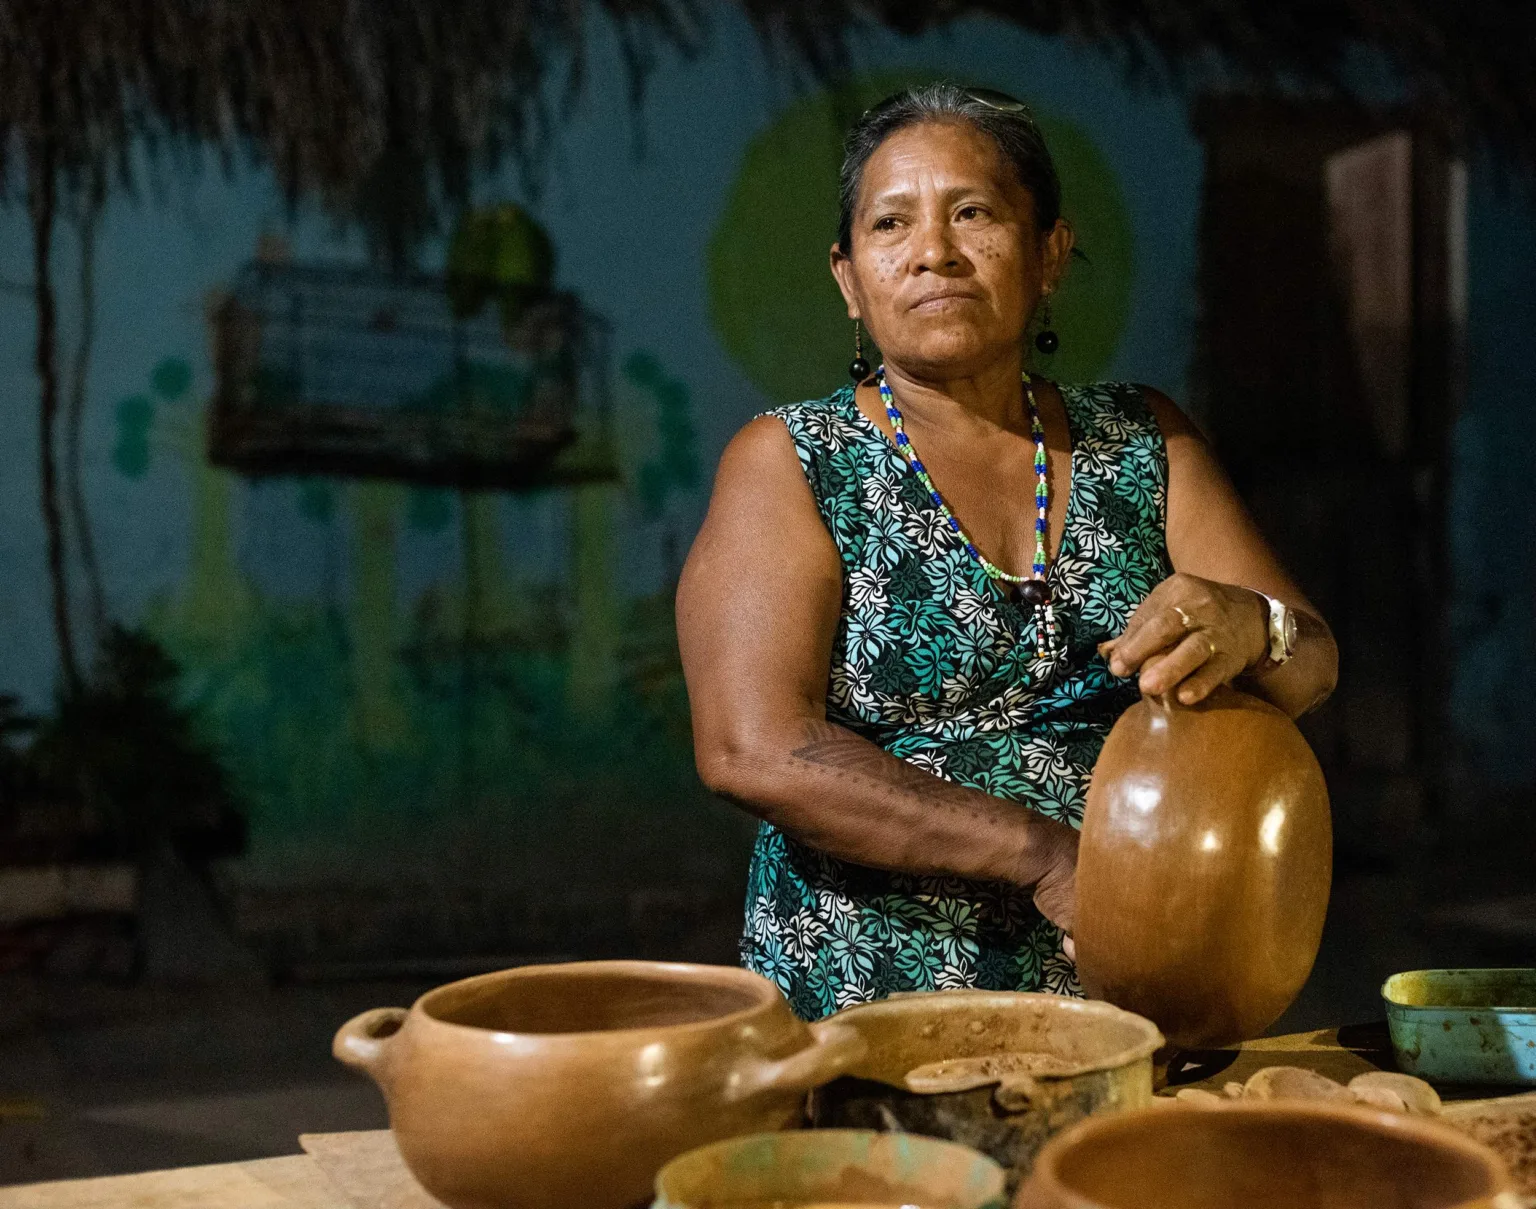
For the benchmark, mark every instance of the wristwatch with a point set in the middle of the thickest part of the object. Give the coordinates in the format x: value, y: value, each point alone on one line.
x: 1282, y: 631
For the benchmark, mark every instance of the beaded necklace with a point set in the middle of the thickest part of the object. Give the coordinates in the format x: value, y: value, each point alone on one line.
x: 1031, y: 589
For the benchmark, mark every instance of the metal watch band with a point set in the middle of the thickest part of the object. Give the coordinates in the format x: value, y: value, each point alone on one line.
x: 1279, y: 649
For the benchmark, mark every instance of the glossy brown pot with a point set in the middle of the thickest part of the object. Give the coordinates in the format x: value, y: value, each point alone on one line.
x: 1204, y: 867
x: 1265, y: 1156
x: 566, y: 1086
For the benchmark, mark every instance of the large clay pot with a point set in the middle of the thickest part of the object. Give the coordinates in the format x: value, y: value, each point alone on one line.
x: 1204, y: 868
x: 568, y: 1086
x: 1265, y: 1156
x: 1097, y: 1058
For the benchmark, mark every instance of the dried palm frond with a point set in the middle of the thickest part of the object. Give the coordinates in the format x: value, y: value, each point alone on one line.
x: 317, y: 88
x: 320, y: 88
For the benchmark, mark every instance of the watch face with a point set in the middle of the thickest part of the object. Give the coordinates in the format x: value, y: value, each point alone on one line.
x: 1290, y: 631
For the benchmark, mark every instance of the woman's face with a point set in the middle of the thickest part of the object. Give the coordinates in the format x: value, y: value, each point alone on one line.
x: 947, y: 264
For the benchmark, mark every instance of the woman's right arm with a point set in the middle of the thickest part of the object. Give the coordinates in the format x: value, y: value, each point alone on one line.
x: 757, y: 609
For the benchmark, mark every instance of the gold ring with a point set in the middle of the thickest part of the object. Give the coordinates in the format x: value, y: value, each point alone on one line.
x: 1212, y: 650
x: 1183, y: 617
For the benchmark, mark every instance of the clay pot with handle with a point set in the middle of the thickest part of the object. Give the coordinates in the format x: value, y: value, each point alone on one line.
x: 1204, y: 867
x: 566, y: 1086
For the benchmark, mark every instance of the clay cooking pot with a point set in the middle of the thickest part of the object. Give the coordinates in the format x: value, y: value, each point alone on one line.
x: 1204, y: 867
x: 1001, y: 1071
x: 1285, y: 1155
x: 570, y: 1085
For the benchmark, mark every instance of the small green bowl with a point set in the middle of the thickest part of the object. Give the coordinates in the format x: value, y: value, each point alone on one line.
x: 831, y: 1166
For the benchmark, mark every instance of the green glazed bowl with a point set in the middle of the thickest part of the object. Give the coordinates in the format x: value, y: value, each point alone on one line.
x: 831, y: 1166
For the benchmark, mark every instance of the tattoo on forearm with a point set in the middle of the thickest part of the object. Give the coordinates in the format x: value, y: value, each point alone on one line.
x: 847, y: 756
x: 885, y: 796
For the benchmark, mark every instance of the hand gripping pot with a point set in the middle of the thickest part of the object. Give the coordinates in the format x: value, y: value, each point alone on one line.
x: 567, y: 1086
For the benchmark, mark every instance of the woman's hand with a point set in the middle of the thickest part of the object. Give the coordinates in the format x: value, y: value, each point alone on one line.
x: 1190, y: 636
x: 1055, y: 891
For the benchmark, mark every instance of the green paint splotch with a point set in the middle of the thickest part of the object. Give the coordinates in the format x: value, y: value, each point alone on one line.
x: 772, y: 298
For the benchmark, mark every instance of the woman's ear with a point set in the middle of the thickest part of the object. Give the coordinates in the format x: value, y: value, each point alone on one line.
x: 1059, y: 242
x: 842, y: 273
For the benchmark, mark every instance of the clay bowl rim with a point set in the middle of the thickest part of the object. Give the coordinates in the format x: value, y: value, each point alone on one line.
x: 680, y: 971
x: 1390, y: 996
x: 1377, y: 1121
x: 1135, y: 1052
x: 798, y: 1138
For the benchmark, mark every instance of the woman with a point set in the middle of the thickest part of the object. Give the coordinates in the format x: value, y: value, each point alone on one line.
x: 872, y: 671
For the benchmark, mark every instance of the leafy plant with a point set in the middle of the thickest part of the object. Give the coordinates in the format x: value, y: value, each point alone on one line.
x: 123, y: 746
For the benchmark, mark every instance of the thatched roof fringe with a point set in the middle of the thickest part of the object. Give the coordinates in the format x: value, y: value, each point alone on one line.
x: 320, y: 88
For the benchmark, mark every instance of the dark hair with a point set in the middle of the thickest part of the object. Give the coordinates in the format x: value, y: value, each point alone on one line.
x: 1007, y: 122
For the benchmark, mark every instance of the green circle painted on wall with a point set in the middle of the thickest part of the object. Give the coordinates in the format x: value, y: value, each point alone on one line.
x: 772, y: 299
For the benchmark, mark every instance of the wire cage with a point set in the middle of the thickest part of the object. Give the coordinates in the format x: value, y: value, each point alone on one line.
x: 352, y: 372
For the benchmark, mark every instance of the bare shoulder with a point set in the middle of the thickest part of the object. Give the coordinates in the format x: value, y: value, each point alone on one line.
x: 762, y: 520
x: 761, y: 493
x: 761, y: 450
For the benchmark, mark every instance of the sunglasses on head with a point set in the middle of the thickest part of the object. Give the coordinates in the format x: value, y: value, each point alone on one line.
x: 990, y: 97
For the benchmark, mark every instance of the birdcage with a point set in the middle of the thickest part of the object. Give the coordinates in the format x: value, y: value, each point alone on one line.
x: 355, y: 372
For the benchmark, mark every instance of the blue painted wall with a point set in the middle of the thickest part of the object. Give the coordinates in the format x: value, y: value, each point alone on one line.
x: 632, y: 218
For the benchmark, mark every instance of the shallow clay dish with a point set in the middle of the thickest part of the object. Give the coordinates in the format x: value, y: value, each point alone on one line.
x: 1204, y: 867
x: 1265, y: 1156
x: 856, y: 1168
x: 1464, y: 1026
x: 567, y: 1086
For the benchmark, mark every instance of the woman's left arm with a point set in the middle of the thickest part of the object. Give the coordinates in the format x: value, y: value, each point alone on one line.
x: 1207, y: 625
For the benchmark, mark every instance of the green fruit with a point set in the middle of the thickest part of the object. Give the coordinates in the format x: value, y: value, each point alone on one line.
x: 499, y: 251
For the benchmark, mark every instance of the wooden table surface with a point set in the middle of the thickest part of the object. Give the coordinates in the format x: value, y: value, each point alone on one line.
x: 363, y: 1170
x: 358, y: 1170
x: 292, y: 1182
x: 1339, y: 1053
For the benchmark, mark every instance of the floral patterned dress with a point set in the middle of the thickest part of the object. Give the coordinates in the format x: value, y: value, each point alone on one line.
x: 934, y: 665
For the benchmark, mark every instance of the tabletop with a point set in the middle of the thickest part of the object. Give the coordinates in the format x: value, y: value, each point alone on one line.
x: 363, y: 1170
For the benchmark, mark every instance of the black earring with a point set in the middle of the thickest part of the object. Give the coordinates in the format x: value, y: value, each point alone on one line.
x: 858, y: 368
x: 1047, y: 341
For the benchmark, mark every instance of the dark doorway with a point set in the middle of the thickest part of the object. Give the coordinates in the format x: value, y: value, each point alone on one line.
x: 1332, y: 280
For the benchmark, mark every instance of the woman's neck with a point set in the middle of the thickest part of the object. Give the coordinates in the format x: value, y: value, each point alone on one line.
x: 992, y: 395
